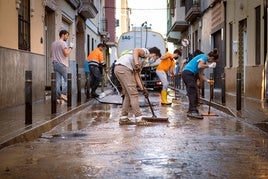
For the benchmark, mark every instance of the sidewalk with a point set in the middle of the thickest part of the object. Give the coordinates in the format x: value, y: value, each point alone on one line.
x: 12, y: 120
x: 253, y: 111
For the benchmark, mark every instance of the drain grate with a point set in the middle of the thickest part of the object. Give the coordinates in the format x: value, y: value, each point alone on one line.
x: 69, y: 135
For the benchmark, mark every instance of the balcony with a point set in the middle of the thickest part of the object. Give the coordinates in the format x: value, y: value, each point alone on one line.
x: 73, y: 3
x: 87, y: 10
x: 176, y: 30
x: 192, y: 10
x: 176, y: 24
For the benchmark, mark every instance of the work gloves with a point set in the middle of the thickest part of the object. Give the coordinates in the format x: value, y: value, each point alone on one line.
x: 137, y: 68
x: 212, y: 65
x: 145, y: 93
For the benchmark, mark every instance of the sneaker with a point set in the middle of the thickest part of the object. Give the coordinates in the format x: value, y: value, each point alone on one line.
x: 142, y: 122
x: 195, y: 115
x: 64, y: 97
x: 125, y: 121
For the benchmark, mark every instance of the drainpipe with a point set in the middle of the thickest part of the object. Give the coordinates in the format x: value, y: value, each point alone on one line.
x: 224, y: 29
x: 265, y: 6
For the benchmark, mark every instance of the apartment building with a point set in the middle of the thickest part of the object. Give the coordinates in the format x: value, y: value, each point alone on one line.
x: 224, y: 24
x: 28, y: 27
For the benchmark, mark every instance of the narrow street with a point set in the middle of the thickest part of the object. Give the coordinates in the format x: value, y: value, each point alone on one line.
x: 92, y: 144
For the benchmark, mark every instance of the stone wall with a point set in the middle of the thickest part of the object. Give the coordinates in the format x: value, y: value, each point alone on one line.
x: 13, y: 64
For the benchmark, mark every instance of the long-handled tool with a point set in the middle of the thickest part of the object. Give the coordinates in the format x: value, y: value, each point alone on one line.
x: 210, y: 99
x: 175, y: 99
x: 112, y: 84
x: 154, y: 118
x: 111, y: 98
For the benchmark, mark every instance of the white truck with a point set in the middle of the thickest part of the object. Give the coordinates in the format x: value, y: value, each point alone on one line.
x: 144, y: 39
x: 141, y: 39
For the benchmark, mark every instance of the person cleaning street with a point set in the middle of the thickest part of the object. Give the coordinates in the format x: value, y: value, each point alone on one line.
x: 165, y: 67
x: 196, y: 67
x: 187, y: 60
x: 127, y: 70
x: 96, y: 64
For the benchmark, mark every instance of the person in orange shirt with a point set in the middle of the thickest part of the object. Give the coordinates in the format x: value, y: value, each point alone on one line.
x: 167, y: 65
x: 96, y: 63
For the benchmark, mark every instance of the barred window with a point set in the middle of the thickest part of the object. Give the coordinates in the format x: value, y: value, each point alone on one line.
x: 231, y: 44
x: 258, y: 19
x: 24, y: 25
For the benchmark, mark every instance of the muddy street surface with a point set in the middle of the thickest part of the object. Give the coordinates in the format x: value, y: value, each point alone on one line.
x: 92, y: 144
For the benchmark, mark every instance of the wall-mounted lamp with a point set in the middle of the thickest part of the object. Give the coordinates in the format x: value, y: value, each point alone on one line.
x: 241, y: 6
x: 18, y: 2
x: 32, y: 5
x: 32, y: 12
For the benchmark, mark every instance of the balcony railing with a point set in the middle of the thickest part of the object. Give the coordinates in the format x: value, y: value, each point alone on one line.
x: 192, y: 10
x: 87, y: 9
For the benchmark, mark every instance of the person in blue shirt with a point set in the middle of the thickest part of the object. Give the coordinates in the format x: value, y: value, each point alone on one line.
x: 187, y: 60
x: 196, y: 67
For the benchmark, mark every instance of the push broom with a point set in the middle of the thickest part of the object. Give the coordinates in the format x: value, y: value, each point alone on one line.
x: 154, y: 118
x: 211, y: 86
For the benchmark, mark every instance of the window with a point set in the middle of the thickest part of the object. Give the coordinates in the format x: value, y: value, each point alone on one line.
x: 258, y: 35
x: 182, y: 3
x: 92, y: 44
x: 230, y: 45
x: 24, y: 25
x: 195, y: 40
x: 88, y: 44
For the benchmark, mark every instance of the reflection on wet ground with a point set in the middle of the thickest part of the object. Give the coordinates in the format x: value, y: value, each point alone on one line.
x: 91, y: 144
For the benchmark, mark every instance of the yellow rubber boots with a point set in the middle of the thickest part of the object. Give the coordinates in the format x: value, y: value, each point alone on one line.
x: 164, y: 98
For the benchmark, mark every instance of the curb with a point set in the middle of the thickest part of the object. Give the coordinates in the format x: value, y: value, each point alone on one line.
x: 218, y: 106
x: 213, y: 104
x: 32, y: 133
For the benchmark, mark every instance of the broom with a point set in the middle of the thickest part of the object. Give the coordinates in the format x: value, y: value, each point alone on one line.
x: 154, y: 118
x: 210, y: 99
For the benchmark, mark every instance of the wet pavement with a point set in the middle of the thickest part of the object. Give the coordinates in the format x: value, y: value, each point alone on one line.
x: 91, y: 144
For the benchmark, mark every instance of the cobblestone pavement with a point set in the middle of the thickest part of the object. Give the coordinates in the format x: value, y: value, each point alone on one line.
x: 91, y: 144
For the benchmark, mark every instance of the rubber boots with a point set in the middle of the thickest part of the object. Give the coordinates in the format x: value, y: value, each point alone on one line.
x: 164, y: 98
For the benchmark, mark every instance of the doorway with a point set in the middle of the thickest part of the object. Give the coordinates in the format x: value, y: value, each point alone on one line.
x: 218, y: 43
x: 49, y: 38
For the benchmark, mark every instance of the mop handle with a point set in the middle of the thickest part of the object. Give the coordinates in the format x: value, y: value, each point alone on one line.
x: 147, y: 98
x: 112, y: 84
x: 211, y: 92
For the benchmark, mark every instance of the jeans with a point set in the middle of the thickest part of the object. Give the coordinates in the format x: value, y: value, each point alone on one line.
x: 178, y: 81
x: 61, y: 72
x: 96, y: 78
x: 191, y: 87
